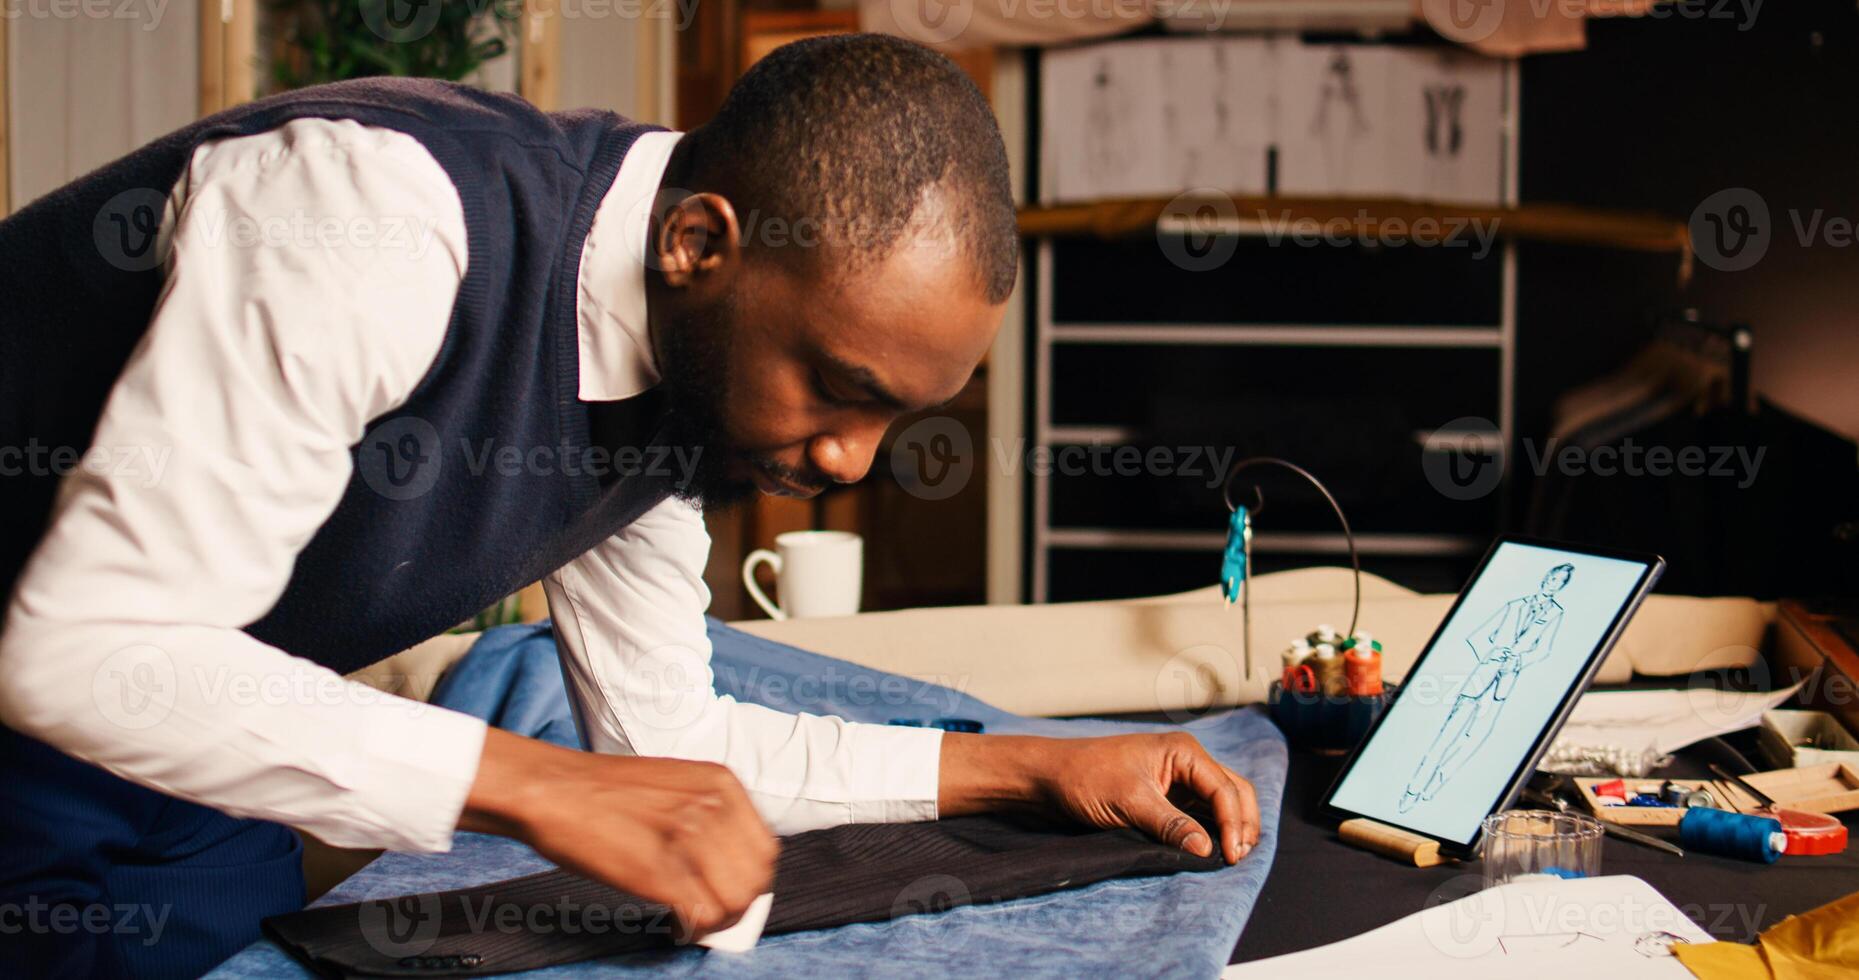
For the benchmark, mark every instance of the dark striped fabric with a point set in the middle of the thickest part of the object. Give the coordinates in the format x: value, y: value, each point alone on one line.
x: 824, y: 878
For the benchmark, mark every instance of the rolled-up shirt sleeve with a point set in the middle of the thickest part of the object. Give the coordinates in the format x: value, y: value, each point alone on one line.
x: 629, y: 616
x: 311, y: 274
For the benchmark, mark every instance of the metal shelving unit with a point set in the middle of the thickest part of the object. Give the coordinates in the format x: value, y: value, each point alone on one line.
x: 1048, y: 335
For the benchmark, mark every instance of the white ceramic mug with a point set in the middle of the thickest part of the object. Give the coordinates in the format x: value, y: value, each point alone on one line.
x: 817, y: 573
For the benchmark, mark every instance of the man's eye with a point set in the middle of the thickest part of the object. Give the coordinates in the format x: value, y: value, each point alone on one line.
x: 827, y: 394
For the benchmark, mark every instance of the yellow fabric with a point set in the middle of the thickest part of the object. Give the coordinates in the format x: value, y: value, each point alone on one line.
x: 1819, y: 945
x: 1722, y: 961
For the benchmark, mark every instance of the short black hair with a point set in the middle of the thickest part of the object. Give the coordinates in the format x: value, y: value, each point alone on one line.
x: 840, y: 136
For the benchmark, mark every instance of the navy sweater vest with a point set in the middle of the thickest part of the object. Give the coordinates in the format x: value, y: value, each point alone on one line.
x: 439, y: 518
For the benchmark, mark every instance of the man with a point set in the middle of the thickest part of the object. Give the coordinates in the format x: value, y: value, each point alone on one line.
x: 307, y: 443
x: 1520, y: 633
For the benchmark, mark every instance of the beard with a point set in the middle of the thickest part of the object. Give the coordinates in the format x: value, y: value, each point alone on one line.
x: 695, y: 381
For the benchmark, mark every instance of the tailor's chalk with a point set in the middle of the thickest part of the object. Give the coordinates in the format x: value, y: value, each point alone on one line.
x: 742, y: 937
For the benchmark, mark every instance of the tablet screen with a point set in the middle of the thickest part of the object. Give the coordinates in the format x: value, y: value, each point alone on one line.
x: 1479, y: 697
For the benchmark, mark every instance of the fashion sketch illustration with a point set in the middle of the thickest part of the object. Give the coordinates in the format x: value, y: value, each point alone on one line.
x: 1520, y: 633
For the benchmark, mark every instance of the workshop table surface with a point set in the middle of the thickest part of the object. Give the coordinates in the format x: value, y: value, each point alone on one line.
x: 1322, y: 891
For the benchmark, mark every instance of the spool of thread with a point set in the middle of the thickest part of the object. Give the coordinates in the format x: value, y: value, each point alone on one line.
x: 1362, y: 639
x: 1324, y: 633
x: 1298, y: 652
x: 1329, y: 670
x: 1362, y: 671
x: 1736, y: 835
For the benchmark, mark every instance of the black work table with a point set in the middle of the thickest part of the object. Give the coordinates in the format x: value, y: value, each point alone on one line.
x: 1322, y: 890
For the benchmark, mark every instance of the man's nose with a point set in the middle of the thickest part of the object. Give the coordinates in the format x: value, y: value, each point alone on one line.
x: 845, y: 456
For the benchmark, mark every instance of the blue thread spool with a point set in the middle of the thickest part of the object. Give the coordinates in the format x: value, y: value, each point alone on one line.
x: 1736, y: 835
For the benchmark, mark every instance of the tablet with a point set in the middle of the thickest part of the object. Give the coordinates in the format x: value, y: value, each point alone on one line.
x: 1493, y: 686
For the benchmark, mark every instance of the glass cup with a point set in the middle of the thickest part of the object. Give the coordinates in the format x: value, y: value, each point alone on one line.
x: 1522, y: 843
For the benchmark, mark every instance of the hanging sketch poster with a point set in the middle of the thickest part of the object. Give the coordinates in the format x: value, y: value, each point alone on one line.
x: 1446, y: 126
x: 1103, y: 130
x: 1334, y: 130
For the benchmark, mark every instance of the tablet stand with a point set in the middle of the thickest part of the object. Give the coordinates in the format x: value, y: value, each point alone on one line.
x: 1402, y: 845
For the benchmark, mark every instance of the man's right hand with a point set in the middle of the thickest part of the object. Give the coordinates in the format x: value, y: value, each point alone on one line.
x: 667, y: 830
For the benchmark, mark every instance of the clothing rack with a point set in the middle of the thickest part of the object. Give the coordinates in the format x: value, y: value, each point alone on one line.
x: 1733, y: 341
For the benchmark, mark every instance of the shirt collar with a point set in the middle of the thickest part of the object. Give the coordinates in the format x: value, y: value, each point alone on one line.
x: 617, y: 361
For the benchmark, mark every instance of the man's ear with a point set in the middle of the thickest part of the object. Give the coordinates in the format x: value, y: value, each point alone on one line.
x: 695, y: 235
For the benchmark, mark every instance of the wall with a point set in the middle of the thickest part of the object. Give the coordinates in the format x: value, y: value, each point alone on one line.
x: 83, y: 91
x: 1660, y: 114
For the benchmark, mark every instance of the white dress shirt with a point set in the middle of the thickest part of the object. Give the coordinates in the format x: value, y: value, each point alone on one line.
x: 310, y: 276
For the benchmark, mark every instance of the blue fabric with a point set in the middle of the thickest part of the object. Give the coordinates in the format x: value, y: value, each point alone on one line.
x: 1176, y: 926
x: 102, y: 878
x: 512, y: 678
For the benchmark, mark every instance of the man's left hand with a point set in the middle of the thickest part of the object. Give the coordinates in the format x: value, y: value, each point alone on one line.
x: 1119, y: 781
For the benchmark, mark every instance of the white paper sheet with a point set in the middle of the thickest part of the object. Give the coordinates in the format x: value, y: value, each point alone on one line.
x: 1664, y: 720
x: 1548, y: 928
x: 1158, y: 117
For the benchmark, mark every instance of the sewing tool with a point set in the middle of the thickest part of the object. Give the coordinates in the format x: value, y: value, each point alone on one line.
x: 1298, y: 652
x: 1807, y: 833
x: 1762, y: 799
x: 1236, y: 562
x: 1737, y: 835
x: 1235, y: 570
x: 1546, y: 790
